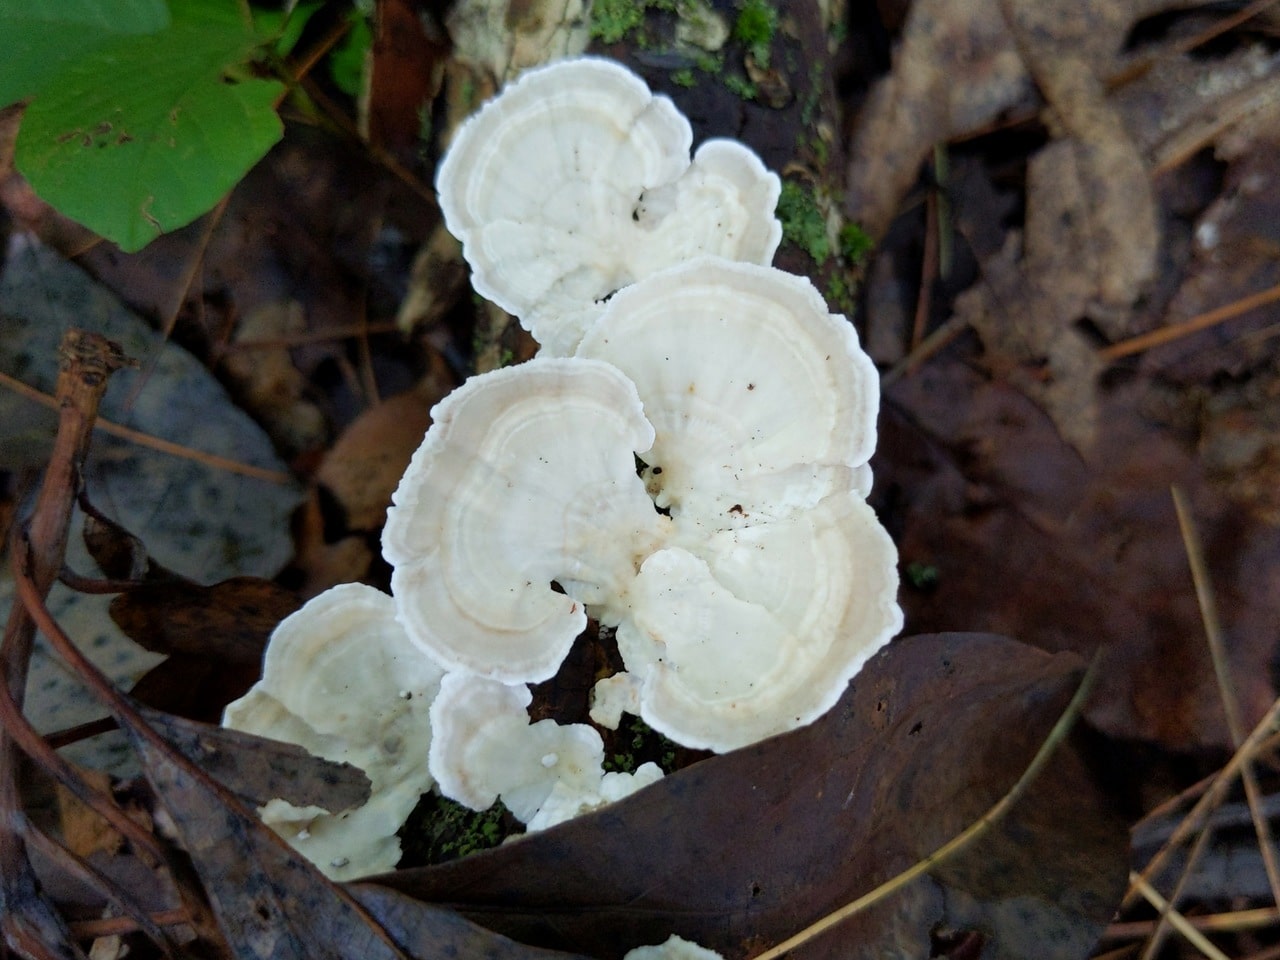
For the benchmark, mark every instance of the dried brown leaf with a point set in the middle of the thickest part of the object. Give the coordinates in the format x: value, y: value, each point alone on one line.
x: 256, y: 769
x: 1018, y: 533
x: 960, y: 65
x: 119, y: 554
x: 405, y: 72
x: 228, y: 622
x: 197, y: 688
x: 740, y: 851
x: 267, y: 382
x: 427, y: 931
x: 270, y: 903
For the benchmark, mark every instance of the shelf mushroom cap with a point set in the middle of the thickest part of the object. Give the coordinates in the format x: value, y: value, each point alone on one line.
x: 761, y: 400
x: 484, y: 747
x: 342, y: 680
x: 757, y: 630
x: 527, y: 476
x: 576, y: 181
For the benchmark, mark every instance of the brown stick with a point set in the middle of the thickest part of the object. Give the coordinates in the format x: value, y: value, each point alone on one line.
x: 87, y: 361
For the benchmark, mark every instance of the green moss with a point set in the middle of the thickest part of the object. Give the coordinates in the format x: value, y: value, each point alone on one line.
x: 741, y: 86
x: 615, y: 20
x: 821, y: 152
x: 756, y: 24
x: 440, y: 829
x: 839, y: 293
x: 802, y: 222
x: 684, y: 78
x: 636, y: 743
x: 922, y: 576
x: 612, y: 20
x: 855, y: 244
x: 711, y: 63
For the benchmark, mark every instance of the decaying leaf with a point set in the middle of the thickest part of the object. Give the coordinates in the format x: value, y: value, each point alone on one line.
x: 200, y: 520
x: 741, y: 850
x: 427, y: 931
x: 229, y: 621
x: 1002, y: 525
x: 213, y: 637
x: 257, y: 770
x: 117, y: 552
x: 958, y: 67
x: 268, y: 383
x: 273, y: 904
x: 341, y: 522
x: 405, y: 67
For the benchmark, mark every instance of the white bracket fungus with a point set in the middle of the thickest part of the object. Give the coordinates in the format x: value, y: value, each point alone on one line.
x: 762, y: 401
x: 527, y: 476
x: 576, y: 181
x: 777, y: 582
x: 743, y: 613
x: 484, y: 747
x: 757, y: 630
x: 341, y: 679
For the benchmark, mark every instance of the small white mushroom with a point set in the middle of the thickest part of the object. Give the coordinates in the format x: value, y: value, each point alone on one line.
x: 484, y: 747
x: 761, y: 400
x: 334, y: 678
x: 613, y: 696
x: 576, y: 181
x: 757, y: 630
x: 673, y: 948
x: 567, y: 801
x: 527, y: 476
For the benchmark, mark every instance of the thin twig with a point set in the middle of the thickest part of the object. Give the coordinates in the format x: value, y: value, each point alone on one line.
x: 86, y: 362
x: 121, y: 899
x: 1184, y: 46
x: 928, y: 271
x: 1166, y: 920
x: 957, y: 843
x: 1226, y: 687
x: 1211, y: 799
x: 307, y: 337
x: 1167, y: 806
x: 304, y: 65
x: 1234, y: 922
x: 1176, y: 920
x: 1176, y: 331
x: 153, y: 443
x: 118, y: 926
x: 930, y: 345
x: 30, y: 742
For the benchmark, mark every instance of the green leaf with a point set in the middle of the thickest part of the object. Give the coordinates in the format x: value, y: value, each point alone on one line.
x: 346, y: 63
x: 144, y: 134
x: 285, y: 27
x: 37, y: 40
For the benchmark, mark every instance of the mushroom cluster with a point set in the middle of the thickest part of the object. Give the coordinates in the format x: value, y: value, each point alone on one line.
x: 686, y: 461
x: 745, y: 575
